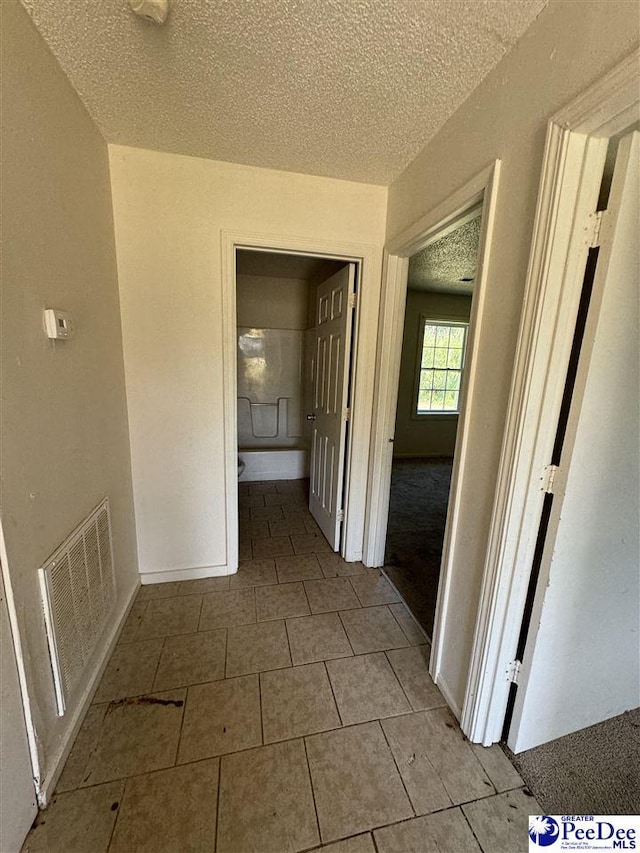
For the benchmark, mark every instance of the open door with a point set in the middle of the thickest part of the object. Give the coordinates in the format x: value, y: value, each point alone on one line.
x: 331, y: 356
x: 580, y: 662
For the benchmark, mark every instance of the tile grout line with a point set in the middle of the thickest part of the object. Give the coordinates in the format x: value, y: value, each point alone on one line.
x: 217, y: 821
x: 285, y: 740
x: 397, y: 766
x: 397, y: 677
x: 118, y: 811
x: 473, y: 832
x: 260, y: 706
x: 286, y: 631
x: 346, y: 633
x: 184, y: 714
x: 313, y: 790
x: 480, y: 764
x: 155, y: 674
x: 333, y: 693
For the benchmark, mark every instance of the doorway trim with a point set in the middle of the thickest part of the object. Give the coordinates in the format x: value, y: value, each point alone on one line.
x: 368, y: 260
x: 479, y: 191
x: 576, y: 145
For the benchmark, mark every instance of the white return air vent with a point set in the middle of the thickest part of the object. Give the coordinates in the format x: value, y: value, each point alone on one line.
x: 78, y: 594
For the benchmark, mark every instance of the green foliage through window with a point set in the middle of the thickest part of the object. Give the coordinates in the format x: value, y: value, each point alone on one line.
x: 441, y: 363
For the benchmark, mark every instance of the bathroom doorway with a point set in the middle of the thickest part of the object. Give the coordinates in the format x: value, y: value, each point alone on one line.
x: 294, y: 317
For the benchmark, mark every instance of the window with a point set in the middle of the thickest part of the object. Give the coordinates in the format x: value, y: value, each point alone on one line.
x: 441, y: 359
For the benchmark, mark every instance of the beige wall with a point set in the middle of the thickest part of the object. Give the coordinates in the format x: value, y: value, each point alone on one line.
x: 429, y: 435
x: 569, y: 46
x: 169, y: 214
x: 64, y: 419
x: 272, y: 303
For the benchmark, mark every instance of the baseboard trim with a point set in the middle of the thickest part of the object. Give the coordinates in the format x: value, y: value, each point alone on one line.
x: 186, y: 574
x: 50, y: 781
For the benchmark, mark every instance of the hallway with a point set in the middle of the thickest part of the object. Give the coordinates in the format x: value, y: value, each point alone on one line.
x: 282, y: 708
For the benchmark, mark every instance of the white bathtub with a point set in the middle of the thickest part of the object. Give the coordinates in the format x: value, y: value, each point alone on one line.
x: 274, y: 463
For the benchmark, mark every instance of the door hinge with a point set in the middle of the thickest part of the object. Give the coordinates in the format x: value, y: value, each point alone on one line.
x: 513, y: 671
x: 353, y: 299
x: 340, y: 515
x: 594, y: 228
x: 548, y: 478
x: 346, y: 414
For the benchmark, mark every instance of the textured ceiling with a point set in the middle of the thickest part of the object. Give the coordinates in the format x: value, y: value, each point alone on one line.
x: 440, y: 266
x: 344, y: 88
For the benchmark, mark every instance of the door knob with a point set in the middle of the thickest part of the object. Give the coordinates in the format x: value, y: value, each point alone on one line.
x: 311, y: 417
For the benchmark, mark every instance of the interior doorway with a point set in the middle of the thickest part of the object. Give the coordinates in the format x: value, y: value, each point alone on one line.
x: 452, y: 639
x: 295, y: 321
x: 437, y: 317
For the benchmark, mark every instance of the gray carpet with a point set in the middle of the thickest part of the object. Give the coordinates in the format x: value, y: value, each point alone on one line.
x: 593, y: 771
x: 415, y: 532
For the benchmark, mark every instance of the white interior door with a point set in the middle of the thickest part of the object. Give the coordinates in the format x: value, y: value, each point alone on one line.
x: 17, y: 795
x: 580, y: 665
x: 332, y: 347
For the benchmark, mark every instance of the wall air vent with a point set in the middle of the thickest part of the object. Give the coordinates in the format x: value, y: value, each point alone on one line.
x: 78, y: 594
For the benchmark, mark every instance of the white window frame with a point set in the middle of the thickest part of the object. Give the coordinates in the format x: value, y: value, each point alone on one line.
x: 434, y: 320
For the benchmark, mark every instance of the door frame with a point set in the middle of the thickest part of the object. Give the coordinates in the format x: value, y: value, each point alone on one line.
x: 368, y: 261
x: 481, y: 191
x: 576, y: 145
x: 16, y: 650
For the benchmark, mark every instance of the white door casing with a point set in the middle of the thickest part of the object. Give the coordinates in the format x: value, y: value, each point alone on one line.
x: 331, y: 360
x: 580, y: 664
x: 575, y: 152
x: 480, y: 192
x: 17, y: 793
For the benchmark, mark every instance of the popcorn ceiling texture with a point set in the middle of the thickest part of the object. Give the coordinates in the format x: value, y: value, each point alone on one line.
x: 441, y: 265
x: 350, y: 89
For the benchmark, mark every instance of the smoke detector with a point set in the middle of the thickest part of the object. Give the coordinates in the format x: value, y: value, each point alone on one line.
x: 152, y: 10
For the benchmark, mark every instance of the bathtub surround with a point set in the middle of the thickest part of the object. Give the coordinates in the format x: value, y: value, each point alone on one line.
x: 269, y: 387
x: 272, y: 315
x: 273, y: 463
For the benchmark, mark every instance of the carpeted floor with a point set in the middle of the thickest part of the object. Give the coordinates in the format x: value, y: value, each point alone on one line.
x: 417, y: 516
x: 593, y: 771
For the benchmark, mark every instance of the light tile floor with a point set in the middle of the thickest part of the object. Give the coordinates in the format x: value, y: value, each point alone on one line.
x: 285, y: 708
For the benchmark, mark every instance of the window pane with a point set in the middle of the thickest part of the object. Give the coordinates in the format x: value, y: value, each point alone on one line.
x: 437, y: 400
x: 424, y: 401
x: 453, y: 380
x: 457, y: 337
x: 440, y: 359
x: 426, y: 380
x: 454, y: 358
x: 451, y: 401
x: 439, y: 378
x: 427, y: 357
x: 429, y: 335
x: 442, y: 336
